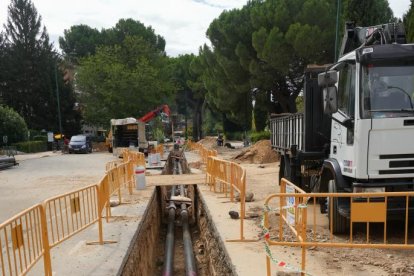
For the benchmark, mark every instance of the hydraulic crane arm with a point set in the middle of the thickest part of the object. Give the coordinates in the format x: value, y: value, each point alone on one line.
x: 355, y: 37
x: 163, y: 109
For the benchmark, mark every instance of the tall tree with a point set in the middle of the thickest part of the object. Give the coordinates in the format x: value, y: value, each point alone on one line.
x: 124, y: 80
x: 226, y: 79
x: 81, y: 40
x: 259, y: 52
x: 31, y: 68
x: 119, y: 68
x: 368, y: 12
x: 2, y: 66
x: 409, y: 22
x: 197, y: 97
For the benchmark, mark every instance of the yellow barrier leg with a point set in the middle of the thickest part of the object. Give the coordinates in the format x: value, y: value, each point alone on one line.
x: 304, y: 222
x: 108, y: 211
x: 119, y: 195
x: 47, y: 263
x: 100, y: 233
x: 268, y: 268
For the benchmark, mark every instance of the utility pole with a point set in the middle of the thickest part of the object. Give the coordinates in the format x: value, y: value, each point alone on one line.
x: 58, y: 101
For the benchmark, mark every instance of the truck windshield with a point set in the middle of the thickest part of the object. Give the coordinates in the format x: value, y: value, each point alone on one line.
x: 387, y: 91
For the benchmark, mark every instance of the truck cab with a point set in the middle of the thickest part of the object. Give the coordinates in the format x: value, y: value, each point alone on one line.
x: 373, y: 122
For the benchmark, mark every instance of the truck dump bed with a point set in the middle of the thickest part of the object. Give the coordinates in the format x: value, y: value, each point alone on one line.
x: 287, y: 131
x: 307, y: 132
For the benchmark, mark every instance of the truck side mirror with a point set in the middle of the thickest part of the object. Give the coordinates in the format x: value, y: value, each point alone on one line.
x: 330, y: 100
x: 328, y: 78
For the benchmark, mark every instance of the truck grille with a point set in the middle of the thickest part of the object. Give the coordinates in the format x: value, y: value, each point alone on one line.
x: 402, y: 164
x: 395, y: 171
x: 396, y: 156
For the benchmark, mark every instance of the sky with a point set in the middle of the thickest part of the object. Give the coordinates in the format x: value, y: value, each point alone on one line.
x: 183, y: 23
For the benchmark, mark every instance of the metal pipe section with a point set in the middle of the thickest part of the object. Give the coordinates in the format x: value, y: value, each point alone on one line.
x: 169, y: 241
x: 190, y: 264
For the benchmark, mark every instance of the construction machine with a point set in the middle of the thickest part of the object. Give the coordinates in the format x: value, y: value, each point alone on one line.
x: 356, y: 131
x: 131, y: 132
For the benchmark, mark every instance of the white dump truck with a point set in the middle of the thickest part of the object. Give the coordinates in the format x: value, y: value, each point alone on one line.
x: 357, y: 130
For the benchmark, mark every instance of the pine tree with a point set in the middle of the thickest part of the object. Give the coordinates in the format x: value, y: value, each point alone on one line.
x: 27, y: 60
x: 30, y: 67
x: 409, y: 22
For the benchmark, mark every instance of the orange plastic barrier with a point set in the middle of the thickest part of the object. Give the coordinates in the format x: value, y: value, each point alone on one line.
x: 295, y: 208
x: 30, y: 235
x: 22, y: 242
x: 203, y: 151
x: 71, y: 213
x: 228, y: 175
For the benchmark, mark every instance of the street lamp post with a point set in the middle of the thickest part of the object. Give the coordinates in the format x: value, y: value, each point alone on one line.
x: 58, y: 101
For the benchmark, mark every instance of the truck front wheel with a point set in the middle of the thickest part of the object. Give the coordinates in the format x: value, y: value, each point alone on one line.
x: 284, y: 169
x: 339, y: 223
x: 281, y: 169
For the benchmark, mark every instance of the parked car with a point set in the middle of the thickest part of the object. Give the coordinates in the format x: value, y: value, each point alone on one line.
x: 80, y: 143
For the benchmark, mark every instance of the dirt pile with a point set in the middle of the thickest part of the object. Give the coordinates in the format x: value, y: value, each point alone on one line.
x: 99, y: 146
x: 259, y: 153
x: 209, y: 142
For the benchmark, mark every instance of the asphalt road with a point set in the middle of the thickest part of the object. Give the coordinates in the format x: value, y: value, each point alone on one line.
x: 42, y: 176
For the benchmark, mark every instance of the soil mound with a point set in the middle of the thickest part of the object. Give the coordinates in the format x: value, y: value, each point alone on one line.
x: 210, y: 142
x: 259, y: 153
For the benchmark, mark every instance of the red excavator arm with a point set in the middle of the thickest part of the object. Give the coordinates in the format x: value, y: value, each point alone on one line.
x: 154, y: 113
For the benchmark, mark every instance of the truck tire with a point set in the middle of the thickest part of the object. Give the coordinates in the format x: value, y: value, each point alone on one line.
x: 284, y: 170
x: 281, y: 169
x: 340, y: 224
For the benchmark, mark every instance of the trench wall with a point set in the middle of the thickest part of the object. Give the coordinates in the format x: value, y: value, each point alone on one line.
x: 219, y: 261
x: 142, y: 251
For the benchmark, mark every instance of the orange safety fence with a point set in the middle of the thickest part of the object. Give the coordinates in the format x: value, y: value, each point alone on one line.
x: 159, y: 149
x: 30, y: 235
x: 71, y: 213
x: 111, y: 164
x: 203, y: 151
x: 119, y: 176
x: 294, y: 207
x: 137, y: 158
x: 228, y: 176
x: 22, y: 242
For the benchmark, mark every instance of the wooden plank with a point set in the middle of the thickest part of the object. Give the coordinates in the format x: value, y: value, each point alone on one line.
x: 169, y: 180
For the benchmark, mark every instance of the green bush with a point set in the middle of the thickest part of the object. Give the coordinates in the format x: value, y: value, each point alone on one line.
x: 40, y: 138
x: 12, y: 125
x: 261, y: 135
x: 31, y: 146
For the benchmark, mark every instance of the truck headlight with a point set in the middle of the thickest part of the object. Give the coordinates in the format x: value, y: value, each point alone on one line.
x: 83, y: 146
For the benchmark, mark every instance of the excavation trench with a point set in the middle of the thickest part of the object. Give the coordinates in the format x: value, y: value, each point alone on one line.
x: 147, y: 252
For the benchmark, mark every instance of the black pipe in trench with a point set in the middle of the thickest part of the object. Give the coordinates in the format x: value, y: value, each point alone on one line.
x: 190, y: 265
x: 169, y: 242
